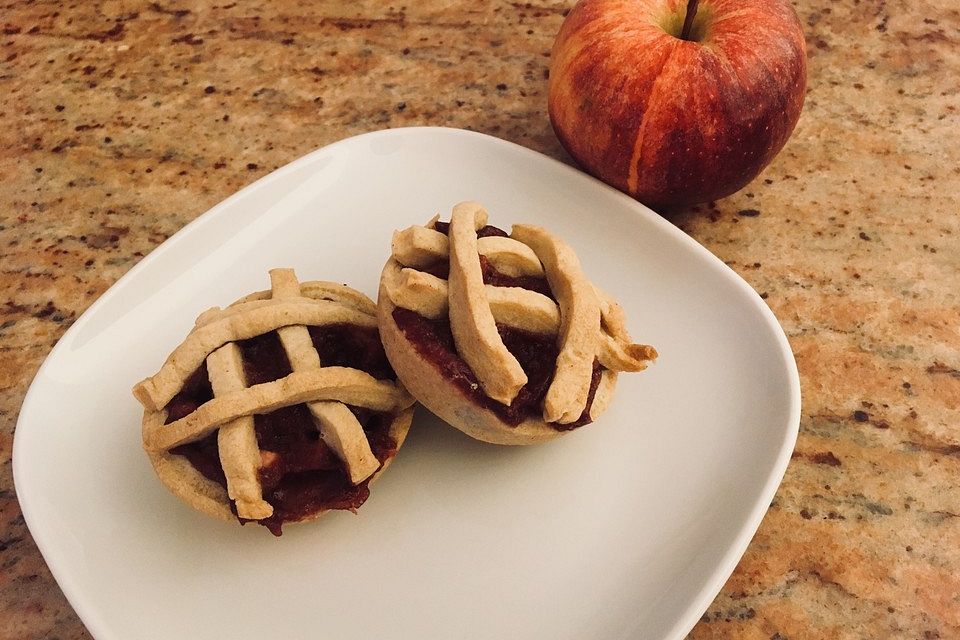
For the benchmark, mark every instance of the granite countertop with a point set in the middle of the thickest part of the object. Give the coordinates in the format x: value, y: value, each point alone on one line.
x: 125, y: 121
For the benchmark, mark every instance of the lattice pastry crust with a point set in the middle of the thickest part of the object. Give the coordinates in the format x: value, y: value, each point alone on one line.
x: 289, y: 308
x: 589, y: 326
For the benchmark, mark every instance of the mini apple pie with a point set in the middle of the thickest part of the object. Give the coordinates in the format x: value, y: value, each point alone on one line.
x: 501, y: 336
x: 277, y: 408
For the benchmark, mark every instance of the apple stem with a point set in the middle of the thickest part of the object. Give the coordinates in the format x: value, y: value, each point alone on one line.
x: 688, y: 19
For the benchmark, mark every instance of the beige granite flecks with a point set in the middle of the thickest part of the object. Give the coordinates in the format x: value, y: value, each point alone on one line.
x: 123, y: 121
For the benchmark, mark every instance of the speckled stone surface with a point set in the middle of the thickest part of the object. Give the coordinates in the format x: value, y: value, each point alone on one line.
x: 122, y: 122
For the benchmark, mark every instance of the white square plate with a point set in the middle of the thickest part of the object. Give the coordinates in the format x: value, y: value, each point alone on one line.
x: 626, y: 528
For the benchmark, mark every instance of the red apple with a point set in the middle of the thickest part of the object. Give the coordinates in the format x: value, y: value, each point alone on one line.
x: 675, y: 106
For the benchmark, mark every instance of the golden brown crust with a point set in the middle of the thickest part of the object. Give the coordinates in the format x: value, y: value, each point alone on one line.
x: 588, y: 324
x: 471, y: 322
x: 230, y: 325
x: 323, y: 290
x: 617, y: 351
x: 418, y: 246
x: 324, y: 390
x: 579, y: 324
x: 237, y: 439
x: 349, y: 386
x: 428, y: 296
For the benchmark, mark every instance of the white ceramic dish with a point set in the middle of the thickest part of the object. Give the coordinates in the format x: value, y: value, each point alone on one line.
x: 624, y: 529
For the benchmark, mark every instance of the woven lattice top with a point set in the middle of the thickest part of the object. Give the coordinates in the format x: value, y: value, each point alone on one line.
x: 288, y: 309
x: 588, y: 324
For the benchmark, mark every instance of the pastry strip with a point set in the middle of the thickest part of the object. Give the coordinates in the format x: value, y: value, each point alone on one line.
x: 524, y: 309
x: 343, y: 433
x: 416, y: 290
x: 419, y: 247
x: 427, y: 295
x: 342, y: 384
x: 509, y: 257
x: 612, y: 318
x: 617, y: 351
x: 519, y: 308
x: 579, y: 324
x: 339, y: 428
x: 155, y: 392
x: 618, y: 356
x: 237, y: 439
x: 243, y: 308
x: 471, y: 322
x: 323, y: 290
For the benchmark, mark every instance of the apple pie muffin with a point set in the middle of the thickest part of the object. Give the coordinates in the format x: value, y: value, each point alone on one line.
x: 277, y: 408
x: 501, y: 335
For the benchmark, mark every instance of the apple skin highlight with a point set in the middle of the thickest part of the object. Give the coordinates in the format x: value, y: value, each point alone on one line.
x: 671, y: 121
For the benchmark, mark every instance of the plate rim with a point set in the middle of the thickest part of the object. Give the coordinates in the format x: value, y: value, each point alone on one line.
x: 88, y: 614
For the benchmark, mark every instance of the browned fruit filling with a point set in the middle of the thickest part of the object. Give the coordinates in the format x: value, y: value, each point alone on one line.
x: 537, y: 354
x: 301, y: 476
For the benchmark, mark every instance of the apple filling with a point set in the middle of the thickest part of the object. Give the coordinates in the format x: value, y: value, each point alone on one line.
x: 299, y: 473
x: 537, y: 354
